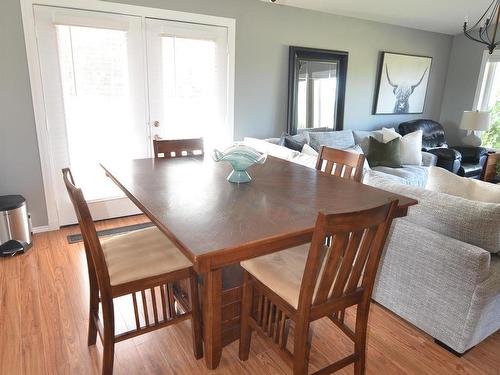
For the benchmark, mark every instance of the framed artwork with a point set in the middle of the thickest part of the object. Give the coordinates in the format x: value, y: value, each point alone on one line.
x: 402, y: 84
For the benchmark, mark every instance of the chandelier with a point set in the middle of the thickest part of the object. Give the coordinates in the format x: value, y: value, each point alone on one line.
x: 487, y: 31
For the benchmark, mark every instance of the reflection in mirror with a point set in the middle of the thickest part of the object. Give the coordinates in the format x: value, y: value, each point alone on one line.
x: 316, y: 89
x: 317, y: 94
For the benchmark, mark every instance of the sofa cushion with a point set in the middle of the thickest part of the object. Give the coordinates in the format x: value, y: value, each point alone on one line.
x: 341, y: 139
x: 386, y: 154
x: 477, y: 223
x: 415, y: 175
x: 446, y: 182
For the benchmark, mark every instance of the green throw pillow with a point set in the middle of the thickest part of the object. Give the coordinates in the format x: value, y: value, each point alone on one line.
x: 385, y: 154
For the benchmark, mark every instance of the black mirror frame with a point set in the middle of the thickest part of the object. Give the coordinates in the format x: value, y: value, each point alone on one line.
x: 313, y: 54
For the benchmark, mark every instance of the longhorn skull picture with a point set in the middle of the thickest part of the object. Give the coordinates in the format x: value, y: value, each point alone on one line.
x: 400, y: 77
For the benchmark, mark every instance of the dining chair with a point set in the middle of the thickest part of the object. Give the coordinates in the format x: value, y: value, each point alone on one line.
x: 175, y: 148
x: 143, y: 263
x: 340, y: 163
x: 308, y: 282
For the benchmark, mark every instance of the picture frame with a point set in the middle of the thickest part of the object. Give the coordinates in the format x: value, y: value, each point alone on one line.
x: 402, y: 84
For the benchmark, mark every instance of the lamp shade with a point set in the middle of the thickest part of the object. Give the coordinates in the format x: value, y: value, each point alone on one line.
x: 475, y: 120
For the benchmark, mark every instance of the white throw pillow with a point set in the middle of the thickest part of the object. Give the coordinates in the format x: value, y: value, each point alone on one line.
x: 443, y: 181
x: 270, y: 148
x: 308, y: 150
x: 411, y: 145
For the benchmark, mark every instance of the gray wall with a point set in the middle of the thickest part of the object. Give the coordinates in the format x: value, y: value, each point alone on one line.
x: 263, y: 33
x: 20, y: 171
x: 461, y: 83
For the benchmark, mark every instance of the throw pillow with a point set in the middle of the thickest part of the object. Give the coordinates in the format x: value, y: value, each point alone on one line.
x: 362, y: 138
x: 270, y: 148
x: 294, y: 142
x: 385, y: 154
x: 443, y: 181
x: 341, y: 139
x: 411, y: 145
x: 308, y: 150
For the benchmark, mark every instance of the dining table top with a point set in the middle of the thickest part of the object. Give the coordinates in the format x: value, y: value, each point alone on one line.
x: 216, y: 223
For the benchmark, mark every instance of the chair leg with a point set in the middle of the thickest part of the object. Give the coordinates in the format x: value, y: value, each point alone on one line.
x: 109, y: 338
x: 195, y: 317
x: 360, y: 338
x: 246, y: 311
x: 301, y: 346
x: 93, y: 311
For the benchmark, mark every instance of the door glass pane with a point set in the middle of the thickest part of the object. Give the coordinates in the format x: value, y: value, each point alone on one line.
x: 189, y: 92
x: 98, y: 111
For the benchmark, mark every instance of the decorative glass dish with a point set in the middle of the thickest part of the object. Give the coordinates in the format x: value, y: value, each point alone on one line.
x: 241, y: 158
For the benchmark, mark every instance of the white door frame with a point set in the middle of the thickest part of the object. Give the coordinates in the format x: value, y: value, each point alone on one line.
x: 36, y: 81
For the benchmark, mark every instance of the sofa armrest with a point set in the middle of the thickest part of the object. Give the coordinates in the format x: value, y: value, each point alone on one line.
x: 447, y: 158
x: 477, y: 223
x: 428, y: 159
x: 472, y: 155
x: 430, y: 279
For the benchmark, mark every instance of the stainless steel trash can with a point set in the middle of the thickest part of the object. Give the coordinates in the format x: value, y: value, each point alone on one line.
x: 14, y: 220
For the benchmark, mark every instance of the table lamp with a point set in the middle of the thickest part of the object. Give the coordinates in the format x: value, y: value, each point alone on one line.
x: 473, y: 121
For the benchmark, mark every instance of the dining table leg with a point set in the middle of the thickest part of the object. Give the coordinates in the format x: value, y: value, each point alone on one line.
x: 212, y: 317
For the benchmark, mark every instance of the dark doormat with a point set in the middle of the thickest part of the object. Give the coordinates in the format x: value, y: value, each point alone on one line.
x: 74, y: 238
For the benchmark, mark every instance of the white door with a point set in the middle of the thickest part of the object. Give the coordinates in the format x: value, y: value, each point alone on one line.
x: 107, y: 78
x: 93, y: 79
x: 188, y: 81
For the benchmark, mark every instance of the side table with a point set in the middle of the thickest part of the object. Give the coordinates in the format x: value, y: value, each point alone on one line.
x: 490, y: 167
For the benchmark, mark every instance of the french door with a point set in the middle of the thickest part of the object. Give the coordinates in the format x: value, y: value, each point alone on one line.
x: 187, y: 70
x: 113, y: 82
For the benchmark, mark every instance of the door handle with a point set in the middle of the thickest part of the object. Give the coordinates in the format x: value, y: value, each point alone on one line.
x: 156, y: 124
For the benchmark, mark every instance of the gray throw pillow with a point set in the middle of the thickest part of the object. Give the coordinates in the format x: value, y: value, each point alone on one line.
x: 362, y: 138
x: 294, y: 142
x: 341, y: 139
x: 385, y: 154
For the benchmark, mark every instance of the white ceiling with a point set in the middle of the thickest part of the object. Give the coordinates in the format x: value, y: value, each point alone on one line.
x: 443, y: 16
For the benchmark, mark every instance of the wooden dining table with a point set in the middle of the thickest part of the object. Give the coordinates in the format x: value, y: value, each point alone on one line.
x: 217, y: 224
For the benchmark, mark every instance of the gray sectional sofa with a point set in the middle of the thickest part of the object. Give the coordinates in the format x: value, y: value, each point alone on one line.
x: 415, y: 175
x: 441, y: 266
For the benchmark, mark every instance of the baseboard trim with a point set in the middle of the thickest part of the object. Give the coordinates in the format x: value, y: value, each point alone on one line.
x: 42, y: 228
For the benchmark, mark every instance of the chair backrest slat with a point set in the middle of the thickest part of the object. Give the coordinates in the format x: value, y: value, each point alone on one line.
x: 331, y: 266
x: 344, y: 164
x: 175, y: 148
x: 351, y: 260
x: 97, y: 264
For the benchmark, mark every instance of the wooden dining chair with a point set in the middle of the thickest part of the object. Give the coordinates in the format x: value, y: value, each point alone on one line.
x: 309, y: 282
x: 143, y: 263
x: 175, y: 148
x: 340, y: 163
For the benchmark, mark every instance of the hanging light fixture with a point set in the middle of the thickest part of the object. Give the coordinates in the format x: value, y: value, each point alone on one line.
x: 486, y: 33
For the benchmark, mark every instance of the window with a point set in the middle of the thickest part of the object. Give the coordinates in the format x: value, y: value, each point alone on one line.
x: 488, y: 99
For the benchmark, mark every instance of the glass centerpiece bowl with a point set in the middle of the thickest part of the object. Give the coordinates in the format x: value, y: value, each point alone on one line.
x: 241, y: 158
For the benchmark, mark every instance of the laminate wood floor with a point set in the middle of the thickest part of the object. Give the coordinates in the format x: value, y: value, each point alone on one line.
x: 43, y: 328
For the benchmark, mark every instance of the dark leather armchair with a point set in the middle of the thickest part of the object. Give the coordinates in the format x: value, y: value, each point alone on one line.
x: 473, y: 159
x: 434, y: 142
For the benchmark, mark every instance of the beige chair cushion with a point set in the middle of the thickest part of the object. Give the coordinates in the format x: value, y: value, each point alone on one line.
x: 141, y: 254
x: 281, y: 272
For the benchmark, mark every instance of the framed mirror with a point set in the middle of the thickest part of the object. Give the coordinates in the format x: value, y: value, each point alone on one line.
x: 316, y: 89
